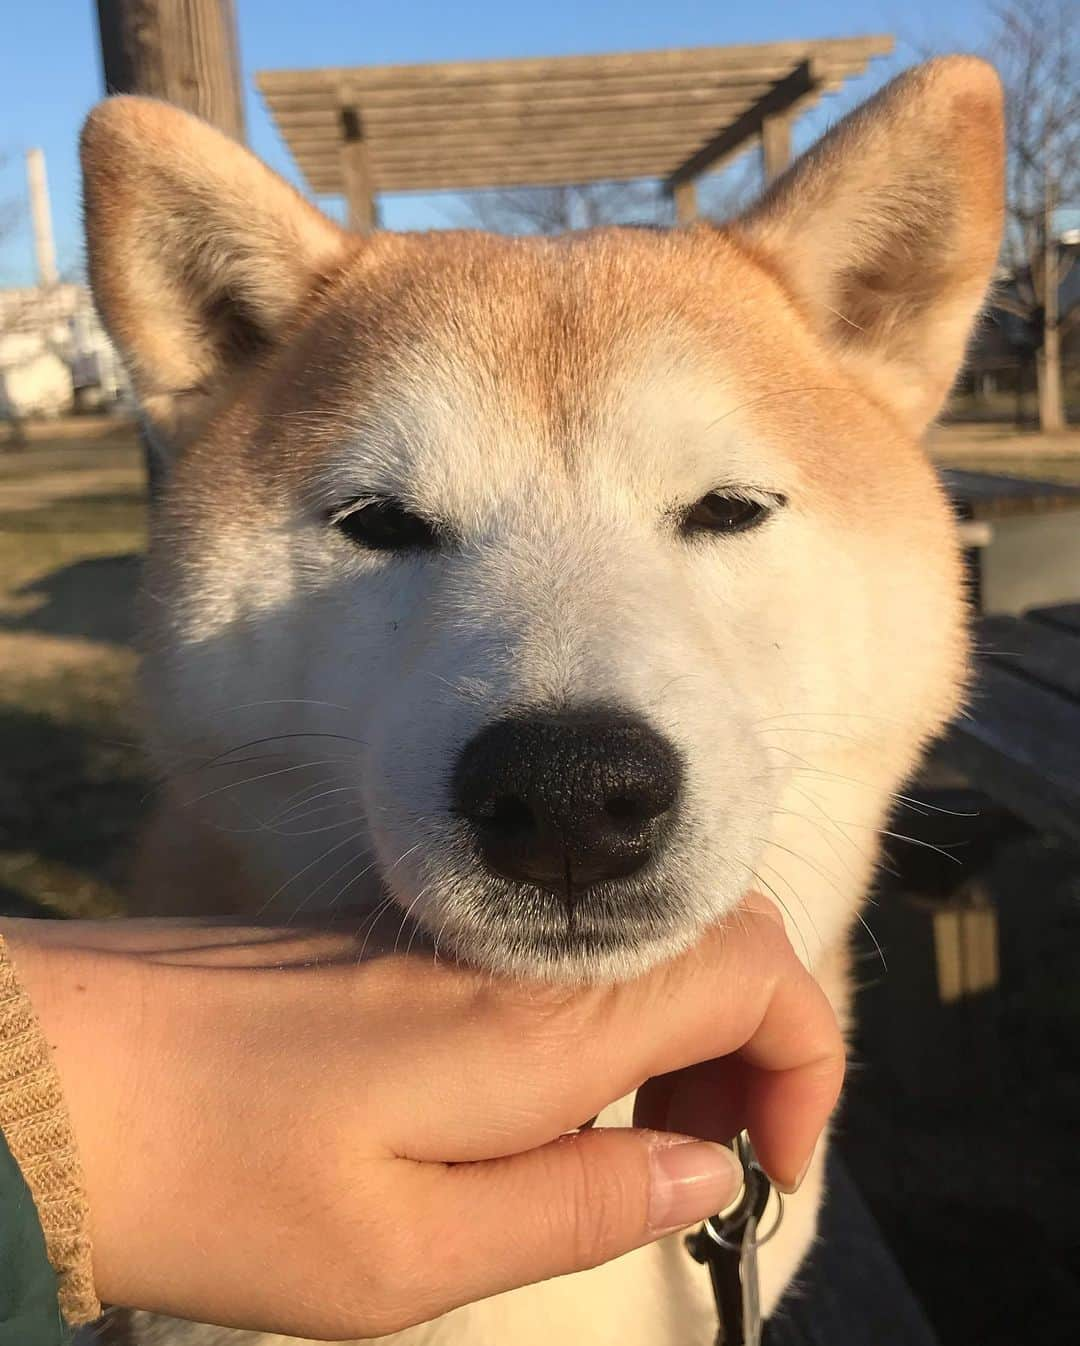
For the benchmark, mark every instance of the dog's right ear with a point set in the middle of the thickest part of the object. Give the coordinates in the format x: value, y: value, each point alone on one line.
x: 199, y: 256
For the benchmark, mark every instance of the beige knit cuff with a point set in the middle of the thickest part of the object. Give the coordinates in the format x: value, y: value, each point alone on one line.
x: 38, y: 1132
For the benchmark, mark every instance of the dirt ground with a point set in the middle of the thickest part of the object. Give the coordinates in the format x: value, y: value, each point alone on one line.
x: 960, y: 1126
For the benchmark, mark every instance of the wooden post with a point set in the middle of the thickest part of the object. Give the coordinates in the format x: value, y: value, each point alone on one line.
x: 183, y: 51
x: 775, y: 145
x: 684, y: 195
x: 356, y: 173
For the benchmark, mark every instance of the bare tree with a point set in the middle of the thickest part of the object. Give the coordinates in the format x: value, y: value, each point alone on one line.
x: 556, y: 210
x: 1037, y: 51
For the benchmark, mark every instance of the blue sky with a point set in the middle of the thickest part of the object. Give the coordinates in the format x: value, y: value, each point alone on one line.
x: 50, y: 69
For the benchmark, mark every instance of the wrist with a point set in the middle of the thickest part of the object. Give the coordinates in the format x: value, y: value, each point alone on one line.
x: 90, y: 1006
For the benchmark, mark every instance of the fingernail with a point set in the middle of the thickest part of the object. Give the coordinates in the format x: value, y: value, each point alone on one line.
x: 791, y: 1189
x: 689, y: 1181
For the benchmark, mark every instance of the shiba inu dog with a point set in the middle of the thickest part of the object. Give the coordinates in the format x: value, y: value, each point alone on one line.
x: 550, y: 593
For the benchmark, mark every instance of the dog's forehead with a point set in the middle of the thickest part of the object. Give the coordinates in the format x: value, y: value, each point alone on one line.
x: 445, y: 360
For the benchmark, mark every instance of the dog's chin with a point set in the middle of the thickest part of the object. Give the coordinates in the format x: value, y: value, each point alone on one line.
x: 575, y: 947
x: 578, y: 958
x: 518, y: 931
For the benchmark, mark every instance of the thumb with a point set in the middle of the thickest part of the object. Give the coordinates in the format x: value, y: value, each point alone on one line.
x: 581, y: 1200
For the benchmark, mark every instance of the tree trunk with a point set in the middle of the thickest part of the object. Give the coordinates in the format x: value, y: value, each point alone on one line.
x: 1051, y: 402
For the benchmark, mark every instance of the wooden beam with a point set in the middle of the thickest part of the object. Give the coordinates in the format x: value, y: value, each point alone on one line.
x: 775, y: 145
x: 356, y: 173
x: 453, y: 179
x: 781, y: 98
x: 772, y: 58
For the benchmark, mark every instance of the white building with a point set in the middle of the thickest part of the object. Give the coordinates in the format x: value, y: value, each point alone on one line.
x: 54, y: 354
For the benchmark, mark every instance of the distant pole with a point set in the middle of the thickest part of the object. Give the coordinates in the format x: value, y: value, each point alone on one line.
x: 183, y: 51
x: 41, y: 215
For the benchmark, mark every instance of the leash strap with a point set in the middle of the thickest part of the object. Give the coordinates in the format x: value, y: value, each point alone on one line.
x: 727, y: 1244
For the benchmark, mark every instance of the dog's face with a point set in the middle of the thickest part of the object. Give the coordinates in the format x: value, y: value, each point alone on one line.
x: 552, y: 569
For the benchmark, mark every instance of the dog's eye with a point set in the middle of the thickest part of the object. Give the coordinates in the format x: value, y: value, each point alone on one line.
x: 717, y: 513
x: 385, y: 525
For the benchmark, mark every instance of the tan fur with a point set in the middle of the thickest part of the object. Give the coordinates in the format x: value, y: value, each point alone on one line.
x: 553, y: 398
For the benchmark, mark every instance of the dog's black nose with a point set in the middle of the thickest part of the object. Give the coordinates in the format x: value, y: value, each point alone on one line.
x: 565, y: 801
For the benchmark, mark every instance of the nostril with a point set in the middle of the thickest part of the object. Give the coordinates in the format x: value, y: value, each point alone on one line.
x: 507, y: 816
x: 624, y: 809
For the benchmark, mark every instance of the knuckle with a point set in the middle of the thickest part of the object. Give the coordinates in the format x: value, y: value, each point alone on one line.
x: 544, y: 1021
x: 601, y: 1210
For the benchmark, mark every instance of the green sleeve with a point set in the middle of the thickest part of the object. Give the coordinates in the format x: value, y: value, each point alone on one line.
x: 29, y: 1311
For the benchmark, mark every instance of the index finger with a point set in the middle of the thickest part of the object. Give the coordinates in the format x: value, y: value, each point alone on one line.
x: 519, y: 1069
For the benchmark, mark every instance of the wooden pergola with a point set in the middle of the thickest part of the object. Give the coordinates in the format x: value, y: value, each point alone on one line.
x: 463, y: 125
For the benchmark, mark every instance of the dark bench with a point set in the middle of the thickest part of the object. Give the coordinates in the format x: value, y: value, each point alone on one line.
x: 1020, y: 740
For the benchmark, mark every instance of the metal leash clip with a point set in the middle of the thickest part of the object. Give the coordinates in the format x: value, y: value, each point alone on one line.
x: 727, y: 1244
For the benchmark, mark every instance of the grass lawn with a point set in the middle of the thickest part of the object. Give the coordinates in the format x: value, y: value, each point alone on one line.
x: 72, y: 786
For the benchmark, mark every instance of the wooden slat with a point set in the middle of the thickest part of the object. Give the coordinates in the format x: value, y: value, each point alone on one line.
x: 688, y: 85
x: 993, y: 495
x: 685, y: 120
x: 555, y: 175
x: 479, y: 182
x: 457, y: 104
x: 771, y: 59
x: 1021, y: 745
x: 1065, y: 616
x: 1044, y: 653
x: 783, y: 97
x: 502, y: 147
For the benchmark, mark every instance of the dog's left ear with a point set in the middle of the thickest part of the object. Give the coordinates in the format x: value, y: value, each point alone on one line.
x: 887, y: 231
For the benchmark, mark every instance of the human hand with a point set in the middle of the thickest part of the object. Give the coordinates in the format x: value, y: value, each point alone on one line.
x: 276, y: 1137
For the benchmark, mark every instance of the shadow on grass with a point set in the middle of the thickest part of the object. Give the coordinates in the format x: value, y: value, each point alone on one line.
x: 73, y: 793
x: 14, y: 903
x: 93, y: 599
